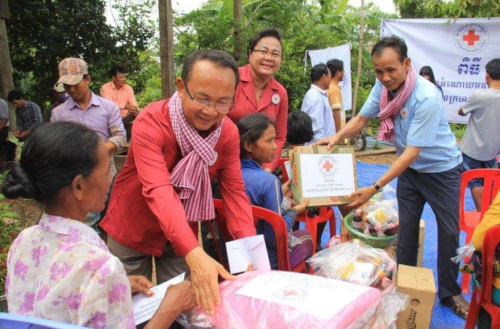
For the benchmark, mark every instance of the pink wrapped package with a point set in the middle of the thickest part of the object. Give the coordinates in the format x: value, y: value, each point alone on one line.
x: 275, y: 299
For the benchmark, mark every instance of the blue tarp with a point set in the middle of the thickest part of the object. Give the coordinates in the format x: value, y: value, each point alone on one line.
x: 443, y: 317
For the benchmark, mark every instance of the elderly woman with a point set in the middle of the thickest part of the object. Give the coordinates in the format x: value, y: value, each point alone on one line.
x: 60, y: 269
x: 258, y: 91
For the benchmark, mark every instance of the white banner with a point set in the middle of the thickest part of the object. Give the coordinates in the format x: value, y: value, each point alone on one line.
x: 457, y: 51
x: 344, y: 54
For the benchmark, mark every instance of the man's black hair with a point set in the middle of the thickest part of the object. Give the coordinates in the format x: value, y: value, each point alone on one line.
x: 318, y: 71
x: 394, y: 42
x: 335, y: 65
x: 493, y: 68
x: 219, y: 58
x: 299, y: 128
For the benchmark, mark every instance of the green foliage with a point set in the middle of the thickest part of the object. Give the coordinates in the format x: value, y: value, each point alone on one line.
x: 448, y: 9
x: 306, y: 25
x: 458, y: 129
x: 8, y: 232
x: 41, y: 33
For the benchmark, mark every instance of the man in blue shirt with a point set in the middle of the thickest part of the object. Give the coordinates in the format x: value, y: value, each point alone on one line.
x: 428, y: 165
x: 316, y: 103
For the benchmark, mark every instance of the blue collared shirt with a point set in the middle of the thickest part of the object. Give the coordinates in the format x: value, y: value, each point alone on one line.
x: 316, y: 104
x: 421, y: 123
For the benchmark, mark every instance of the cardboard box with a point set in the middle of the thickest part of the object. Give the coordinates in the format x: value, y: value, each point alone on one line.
x: 421, y: 242
x: 419, y: 284
x: 325, y: 177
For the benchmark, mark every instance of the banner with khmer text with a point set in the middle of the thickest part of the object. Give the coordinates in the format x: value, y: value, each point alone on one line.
x: 457, y: 51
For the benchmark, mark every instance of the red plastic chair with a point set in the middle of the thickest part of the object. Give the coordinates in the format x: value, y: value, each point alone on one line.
x: 482, y: 297
x: 278, y: 225
x: 325, y: 213
x: 468, y: 220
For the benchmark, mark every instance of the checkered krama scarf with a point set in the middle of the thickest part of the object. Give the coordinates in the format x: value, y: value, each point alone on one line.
x: 390, y: 109
x: 190, y: 176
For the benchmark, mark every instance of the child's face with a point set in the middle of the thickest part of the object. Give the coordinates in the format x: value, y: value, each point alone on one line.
x: 264, y: 149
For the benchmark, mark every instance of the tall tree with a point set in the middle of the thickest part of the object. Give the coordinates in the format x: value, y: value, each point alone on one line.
x: 40, y: 38
x: 166, y: 48
x: 238, y: 22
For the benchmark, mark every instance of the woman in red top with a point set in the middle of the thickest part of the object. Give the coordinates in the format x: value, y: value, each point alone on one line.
x: 258, y: 91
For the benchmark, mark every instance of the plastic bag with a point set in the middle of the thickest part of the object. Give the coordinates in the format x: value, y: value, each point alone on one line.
x: 462, y: 252
x: 383, y: 314
x: 287, y: 300
x: 357, y: 263
x: 377, y: 218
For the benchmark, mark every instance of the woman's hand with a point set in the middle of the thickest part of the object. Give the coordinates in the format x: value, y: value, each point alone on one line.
x: 179, y: 298
x: 140, y: 284
x: 301, y: 207
x: 205, y: 272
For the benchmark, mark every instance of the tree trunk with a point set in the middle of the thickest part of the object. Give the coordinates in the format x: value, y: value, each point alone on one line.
x: 166, y: 48
x: 360, y: 58
x: 238, y: 21
x: 6, y: 80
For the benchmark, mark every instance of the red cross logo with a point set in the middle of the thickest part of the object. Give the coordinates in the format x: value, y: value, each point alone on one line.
x: 471, y: 38
x: 328, y: 166
x: 287, y: 293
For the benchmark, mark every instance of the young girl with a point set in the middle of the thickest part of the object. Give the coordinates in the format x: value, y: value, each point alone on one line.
x: 258, y: 146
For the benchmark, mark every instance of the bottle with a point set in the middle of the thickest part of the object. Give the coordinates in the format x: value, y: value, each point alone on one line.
x: 357, y: 220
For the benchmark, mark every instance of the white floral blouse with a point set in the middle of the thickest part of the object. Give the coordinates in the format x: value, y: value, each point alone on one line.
x: 61, y: 270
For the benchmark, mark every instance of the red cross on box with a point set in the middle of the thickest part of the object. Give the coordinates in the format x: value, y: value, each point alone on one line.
x: 327, y: 166
x: 471, y: 38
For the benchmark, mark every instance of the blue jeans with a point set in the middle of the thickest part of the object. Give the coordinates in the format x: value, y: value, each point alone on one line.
x: 470, y: 163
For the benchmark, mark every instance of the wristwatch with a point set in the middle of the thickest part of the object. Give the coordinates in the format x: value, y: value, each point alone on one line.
x: 377, y: 187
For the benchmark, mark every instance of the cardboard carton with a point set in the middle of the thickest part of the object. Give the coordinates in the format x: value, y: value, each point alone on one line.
x: 324, y: 177
x: 421, y: 240
x: 419, y: 284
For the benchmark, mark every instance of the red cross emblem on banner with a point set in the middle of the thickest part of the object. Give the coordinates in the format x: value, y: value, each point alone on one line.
x: 471, y: 38
x: 328, y: 166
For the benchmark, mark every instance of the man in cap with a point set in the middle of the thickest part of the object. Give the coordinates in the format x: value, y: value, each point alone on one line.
x: 85, y: 107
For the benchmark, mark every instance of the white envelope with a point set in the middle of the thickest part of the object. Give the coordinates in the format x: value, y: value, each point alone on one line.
x: 145, y: 307
x: 244, y: 251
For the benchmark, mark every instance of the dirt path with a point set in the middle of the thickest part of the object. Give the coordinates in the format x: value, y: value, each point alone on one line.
x: 386, y: 159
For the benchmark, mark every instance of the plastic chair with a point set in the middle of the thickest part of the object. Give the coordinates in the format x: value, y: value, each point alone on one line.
x: 14, y: 321
x: 468, y: 220
x: 482, y: 297
x: 278, y: 225
x: 325, y: 213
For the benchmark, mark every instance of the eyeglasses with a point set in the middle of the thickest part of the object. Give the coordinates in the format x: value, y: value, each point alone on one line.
x: 203, y: 104
x: 264, y: 53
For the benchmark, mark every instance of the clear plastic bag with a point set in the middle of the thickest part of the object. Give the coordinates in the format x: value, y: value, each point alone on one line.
x: 290, y: 300
x: 357, y: 263
x: 462, y: 252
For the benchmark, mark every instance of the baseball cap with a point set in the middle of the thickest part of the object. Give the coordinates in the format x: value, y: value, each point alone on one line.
x: 59, y: 87
x: 71, y: 71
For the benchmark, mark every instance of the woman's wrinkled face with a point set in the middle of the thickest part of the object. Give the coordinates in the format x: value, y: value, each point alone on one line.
x: 96, y: 185
x: 265, y: 58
